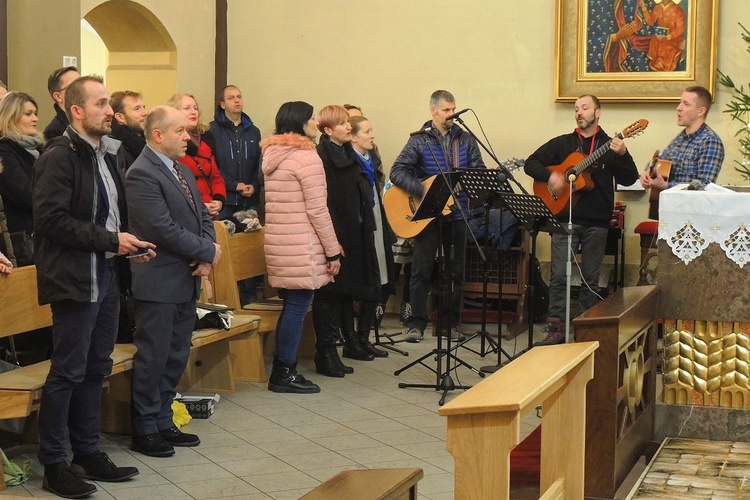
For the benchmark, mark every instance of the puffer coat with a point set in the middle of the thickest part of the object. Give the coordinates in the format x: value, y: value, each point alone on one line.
x: 300, y: 238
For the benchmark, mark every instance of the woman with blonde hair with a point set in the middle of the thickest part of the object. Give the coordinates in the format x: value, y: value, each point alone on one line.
x: 20, y: 145
x: 199, y: 157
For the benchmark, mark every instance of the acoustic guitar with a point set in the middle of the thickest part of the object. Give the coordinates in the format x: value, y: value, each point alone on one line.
x: 400, y: 206
x: 581, y: 167
x: 663, y: 168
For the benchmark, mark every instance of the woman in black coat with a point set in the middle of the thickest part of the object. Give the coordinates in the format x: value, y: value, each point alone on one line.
x: 20, y: 145
x: 349, y: 202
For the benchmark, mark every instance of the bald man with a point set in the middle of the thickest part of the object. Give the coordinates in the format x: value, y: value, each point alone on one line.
x: 165, y: 204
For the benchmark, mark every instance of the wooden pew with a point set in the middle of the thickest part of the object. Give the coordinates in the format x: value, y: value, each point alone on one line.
x: 209, y: 368
x: 242, y: 258
x: 369, y: 484
x: 621, y: 400
x: 484, y: 422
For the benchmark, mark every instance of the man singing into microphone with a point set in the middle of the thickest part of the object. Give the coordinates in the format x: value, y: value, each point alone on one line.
x: 592, y: 209
x: 697, y: 152
x: 439, y: 145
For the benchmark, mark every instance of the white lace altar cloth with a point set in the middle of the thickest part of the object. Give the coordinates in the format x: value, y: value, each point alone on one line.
x: 689, y: 221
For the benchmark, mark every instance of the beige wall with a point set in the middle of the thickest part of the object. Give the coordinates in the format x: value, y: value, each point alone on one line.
x: 190, y: 24
x: 496, y: 57
x: 40, y: 33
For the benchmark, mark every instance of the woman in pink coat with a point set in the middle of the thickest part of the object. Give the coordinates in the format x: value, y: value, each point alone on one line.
x: 302, y: 252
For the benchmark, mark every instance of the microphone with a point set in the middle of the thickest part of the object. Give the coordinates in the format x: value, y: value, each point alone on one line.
x: 695, y: 185
x: 426, y: 130
x: 572, y: 177
x: 457, y: 114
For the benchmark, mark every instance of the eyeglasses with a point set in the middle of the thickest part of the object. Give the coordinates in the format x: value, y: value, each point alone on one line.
x: 62, y: 90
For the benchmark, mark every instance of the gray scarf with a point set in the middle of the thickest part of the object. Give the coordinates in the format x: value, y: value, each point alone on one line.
x: 31, y: 144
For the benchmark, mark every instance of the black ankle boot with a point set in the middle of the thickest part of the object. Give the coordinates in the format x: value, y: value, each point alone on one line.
x: 346, y: 369
x: 325, y: 363
x: 284, y: 378
x: 353, y: 349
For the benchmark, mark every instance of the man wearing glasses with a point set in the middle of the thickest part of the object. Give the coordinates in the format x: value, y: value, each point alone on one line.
x: 57, y: 83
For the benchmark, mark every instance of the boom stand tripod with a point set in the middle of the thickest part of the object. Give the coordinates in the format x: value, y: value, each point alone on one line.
x: 510, y: 177
x: 484, y: 188
x: 432, y: 206
x: 531, y: 211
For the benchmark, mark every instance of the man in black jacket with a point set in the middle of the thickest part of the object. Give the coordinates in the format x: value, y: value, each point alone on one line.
x: 57, y: 84
x: 80, y: 221
x: 127, y: 126
x: 592, y: 209
x: 237, y: 152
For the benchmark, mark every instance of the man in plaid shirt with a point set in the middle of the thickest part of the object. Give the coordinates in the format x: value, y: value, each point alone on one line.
x: 697, y: 152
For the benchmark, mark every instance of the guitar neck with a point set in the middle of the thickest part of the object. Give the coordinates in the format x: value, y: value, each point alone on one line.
x: 590, y: 159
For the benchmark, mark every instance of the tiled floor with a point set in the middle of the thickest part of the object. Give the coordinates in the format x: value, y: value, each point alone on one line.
x: 695, y: 468
x: 264, y: 445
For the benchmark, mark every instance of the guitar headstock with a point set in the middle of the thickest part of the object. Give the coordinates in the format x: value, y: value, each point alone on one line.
x: 635, y: 128
x: 512, y: 164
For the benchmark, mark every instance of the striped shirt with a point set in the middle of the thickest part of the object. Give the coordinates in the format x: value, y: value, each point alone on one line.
x: 696, y: 156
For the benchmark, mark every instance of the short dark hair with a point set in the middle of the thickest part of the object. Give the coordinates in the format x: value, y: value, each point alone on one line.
x: 441, y: 95
x: 53, y: 82
x: 292, y: 117
x: 224, y: 90
x: 597, y: 103
x: 117, y: 99
x: 76, y: 94
x: 704, y: 96
x: 2, y: 85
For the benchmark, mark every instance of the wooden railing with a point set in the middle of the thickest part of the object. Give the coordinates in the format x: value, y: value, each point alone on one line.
x: 484, y: 422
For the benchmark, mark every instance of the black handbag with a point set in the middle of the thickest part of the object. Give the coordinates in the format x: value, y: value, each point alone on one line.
x: 213, y: 316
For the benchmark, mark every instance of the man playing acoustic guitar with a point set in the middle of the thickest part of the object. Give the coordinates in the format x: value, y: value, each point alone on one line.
x: 444, y: 142
x: 592, y: 207
x: 697, y: 153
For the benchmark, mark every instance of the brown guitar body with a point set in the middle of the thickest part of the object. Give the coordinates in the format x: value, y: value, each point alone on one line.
x: 559, y: 202
x: 663, y: 168
x: 400, y: 206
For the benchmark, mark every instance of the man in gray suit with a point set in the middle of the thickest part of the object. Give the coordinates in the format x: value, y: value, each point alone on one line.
x: 165, y: 208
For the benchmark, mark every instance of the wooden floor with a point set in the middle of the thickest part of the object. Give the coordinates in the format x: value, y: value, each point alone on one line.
x: 695, y: 468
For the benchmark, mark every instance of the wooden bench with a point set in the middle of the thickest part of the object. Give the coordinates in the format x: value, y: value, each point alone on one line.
x: 209, y: 369
x: 374, y: 484
x: 484, y: 422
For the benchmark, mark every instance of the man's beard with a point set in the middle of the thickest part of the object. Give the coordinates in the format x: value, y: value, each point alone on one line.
x: 97, y: 129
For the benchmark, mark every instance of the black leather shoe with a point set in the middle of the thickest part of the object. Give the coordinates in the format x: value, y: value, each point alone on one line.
x: 98, y: 467
x: 152, y: 445
x: 378, y: 353
x: 348, y: 370
x: 59, y: 479
x: 176, y: 437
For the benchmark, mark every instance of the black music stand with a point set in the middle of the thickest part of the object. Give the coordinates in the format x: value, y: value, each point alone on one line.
x: 535, y: 216
x: 432, y: 206
x: 484, y: 187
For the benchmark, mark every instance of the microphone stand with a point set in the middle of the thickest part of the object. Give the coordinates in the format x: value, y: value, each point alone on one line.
x: 443, y: 381
x: 568, y: 264
x: 508, y: 174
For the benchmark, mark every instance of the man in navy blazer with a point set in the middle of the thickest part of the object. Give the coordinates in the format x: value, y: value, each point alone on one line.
x: 165, y: 208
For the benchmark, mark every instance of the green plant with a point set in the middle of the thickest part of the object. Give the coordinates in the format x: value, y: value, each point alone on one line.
x: 739, y: 108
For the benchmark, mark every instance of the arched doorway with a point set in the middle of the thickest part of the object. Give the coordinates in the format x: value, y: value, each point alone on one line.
x: 141, y: 53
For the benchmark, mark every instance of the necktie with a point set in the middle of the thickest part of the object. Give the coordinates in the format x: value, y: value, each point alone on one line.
x: 183, y: 181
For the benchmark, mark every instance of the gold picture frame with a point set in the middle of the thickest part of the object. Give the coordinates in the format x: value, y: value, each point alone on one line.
x: 618, y: 52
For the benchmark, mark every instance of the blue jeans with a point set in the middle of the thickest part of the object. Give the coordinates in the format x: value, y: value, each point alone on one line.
x: 289, y: 326
x: 593, y: 242
x: 83, y: 337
